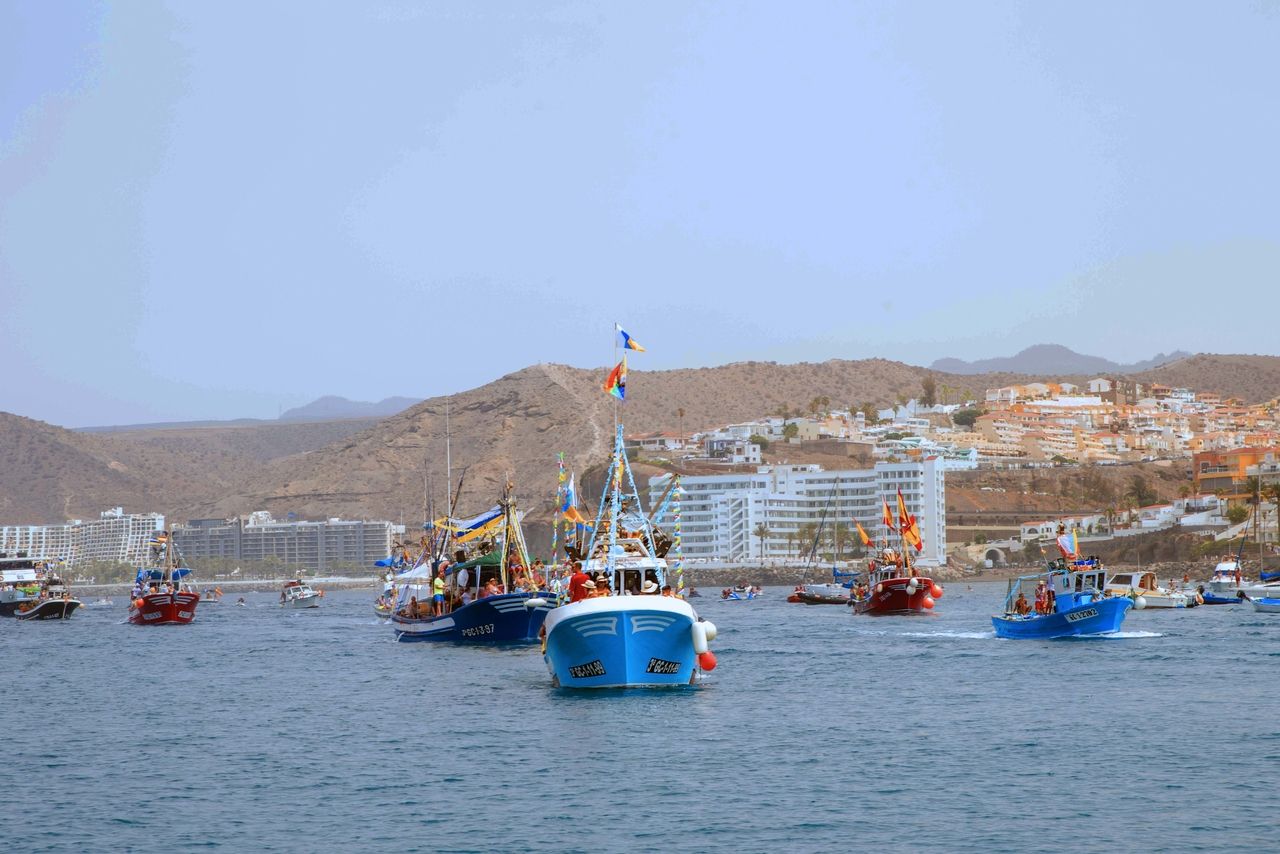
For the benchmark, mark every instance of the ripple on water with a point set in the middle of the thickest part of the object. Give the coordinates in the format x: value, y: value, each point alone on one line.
x: 820, y: 730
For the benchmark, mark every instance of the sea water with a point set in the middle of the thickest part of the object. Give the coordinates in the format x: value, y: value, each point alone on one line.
x: 256, y: 728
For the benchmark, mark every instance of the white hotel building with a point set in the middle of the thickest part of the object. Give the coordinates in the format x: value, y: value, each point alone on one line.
x: 114, y: 535
x: 719, y: 513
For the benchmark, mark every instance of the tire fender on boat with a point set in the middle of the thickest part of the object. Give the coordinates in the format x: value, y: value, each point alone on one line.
x: 699, y: 631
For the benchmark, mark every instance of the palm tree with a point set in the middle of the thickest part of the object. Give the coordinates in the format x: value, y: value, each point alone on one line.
x: 760, y: 532
x: 680, y: 416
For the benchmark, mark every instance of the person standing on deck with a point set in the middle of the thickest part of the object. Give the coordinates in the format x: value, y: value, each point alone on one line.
x: 577, y: 582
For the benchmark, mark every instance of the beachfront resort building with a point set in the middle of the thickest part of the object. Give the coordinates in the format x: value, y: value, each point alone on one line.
x: 721, y: 514
x: 113, y: 536
x: 311, y: 546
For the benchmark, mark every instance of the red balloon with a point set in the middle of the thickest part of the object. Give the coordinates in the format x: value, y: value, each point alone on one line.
x: 936, y: 590
x: 928, y: 602
x: 707, y: 660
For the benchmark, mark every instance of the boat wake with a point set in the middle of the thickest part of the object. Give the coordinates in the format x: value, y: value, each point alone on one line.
x: 1130, y: 635
x: 942, y: 634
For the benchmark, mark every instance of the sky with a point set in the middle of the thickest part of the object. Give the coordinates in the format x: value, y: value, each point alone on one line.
x: 218, y: 210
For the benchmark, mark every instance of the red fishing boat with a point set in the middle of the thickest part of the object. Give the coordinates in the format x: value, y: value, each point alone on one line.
x: 891, y: 588
x: 894, y: 585
x: 163, y: 595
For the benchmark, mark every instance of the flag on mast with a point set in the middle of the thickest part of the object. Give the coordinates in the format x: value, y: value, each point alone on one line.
x: 569, y: 509
x: 888, y: 517
x: 625, y: 341
x: 862, y: 535
x: 616, y: 383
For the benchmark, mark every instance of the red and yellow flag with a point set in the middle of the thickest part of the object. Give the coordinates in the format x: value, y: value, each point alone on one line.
x: 862, y: 535
x: 910, y: 529
x: 888, y: 517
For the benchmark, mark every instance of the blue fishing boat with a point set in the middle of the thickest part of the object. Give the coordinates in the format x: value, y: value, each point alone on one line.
x: 630, y: 637
x: 1068, y: 603
x: 494, y: 598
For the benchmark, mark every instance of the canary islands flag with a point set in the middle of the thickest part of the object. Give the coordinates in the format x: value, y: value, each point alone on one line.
x: 616, y: 384
x: 625, y: 341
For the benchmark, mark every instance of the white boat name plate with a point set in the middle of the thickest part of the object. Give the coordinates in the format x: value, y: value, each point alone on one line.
x: 486, y: 629
x: 1077, y: 616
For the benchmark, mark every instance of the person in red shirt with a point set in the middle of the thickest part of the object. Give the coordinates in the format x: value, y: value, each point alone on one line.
x: 577, y: 592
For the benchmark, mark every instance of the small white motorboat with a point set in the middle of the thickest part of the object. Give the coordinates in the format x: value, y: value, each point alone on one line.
x: 1146, y: 586
x: 299, y: 594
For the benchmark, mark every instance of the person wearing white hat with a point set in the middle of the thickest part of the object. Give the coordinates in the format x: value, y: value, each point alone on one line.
x: 649, y: 588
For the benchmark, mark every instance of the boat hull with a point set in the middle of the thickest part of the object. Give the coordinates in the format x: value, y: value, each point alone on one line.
x: 1266, y: 606
x: 50, y: 609
x: 312, y: 601
x: 806, y: 598
x: 1099, y: 617
x: 507, y: 618
x: 622, y: 642
x: 892, y: 596
x: 164, y: 609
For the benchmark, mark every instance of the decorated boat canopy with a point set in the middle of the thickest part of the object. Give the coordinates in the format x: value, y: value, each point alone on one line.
x: 158, y: 574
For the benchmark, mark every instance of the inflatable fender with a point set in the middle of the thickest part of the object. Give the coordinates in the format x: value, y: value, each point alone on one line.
x: 709, y: 629
x: 699, y: 631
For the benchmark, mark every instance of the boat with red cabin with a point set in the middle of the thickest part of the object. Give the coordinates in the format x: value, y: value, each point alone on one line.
x: 894, y: 585
x: 163, y: 595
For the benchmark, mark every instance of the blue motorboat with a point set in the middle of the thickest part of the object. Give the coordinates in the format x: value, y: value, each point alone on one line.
x: 1069, y: 603
x: 490, y: 599
x: 634, y: 637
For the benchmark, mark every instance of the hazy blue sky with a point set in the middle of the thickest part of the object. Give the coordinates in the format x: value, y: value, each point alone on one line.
x: 215, y: 209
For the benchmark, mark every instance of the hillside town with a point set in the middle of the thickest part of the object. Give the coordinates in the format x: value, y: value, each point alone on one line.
x: 772, y: 511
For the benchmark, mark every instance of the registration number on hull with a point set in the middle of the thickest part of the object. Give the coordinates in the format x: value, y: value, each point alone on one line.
x: 1077, y: 616
x: 662, y: 666
x: 475, y: 631
x: 586, y: 671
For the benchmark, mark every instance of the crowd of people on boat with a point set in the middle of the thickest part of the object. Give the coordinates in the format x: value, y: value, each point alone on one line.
x: 447, y: 595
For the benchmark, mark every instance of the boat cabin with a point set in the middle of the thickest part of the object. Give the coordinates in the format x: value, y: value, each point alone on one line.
x: 1121, y: 583
x: 627, y: 565
x: 20, y: 580
x: 155, y: 580
x: 1062, y: 587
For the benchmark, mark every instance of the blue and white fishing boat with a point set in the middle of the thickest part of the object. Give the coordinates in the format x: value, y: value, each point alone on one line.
x: 1069, y: 603
x: 489, y: 599
x: 629, y: 639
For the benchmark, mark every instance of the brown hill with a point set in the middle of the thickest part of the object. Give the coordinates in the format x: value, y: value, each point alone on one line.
x: 48, y: 474
x: 511, y: 428
x: 1253, y: 379
x: 515, y: 426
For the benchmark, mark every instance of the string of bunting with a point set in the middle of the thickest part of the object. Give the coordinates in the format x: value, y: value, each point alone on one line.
x: 555, y: 525
x: 676, y: 538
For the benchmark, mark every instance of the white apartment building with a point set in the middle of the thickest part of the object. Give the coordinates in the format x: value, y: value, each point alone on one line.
x: 114, y: 535
x: 315, y: 546
x: 720, y: 513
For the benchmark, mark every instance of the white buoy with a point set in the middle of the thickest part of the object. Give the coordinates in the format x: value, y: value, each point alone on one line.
x: 699, y: 632
x: 709, y: 628
x: 535, y: 602
x: 1140, y: 603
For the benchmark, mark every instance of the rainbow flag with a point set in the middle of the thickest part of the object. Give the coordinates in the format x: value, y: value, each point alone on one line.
x: 616, y: 383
